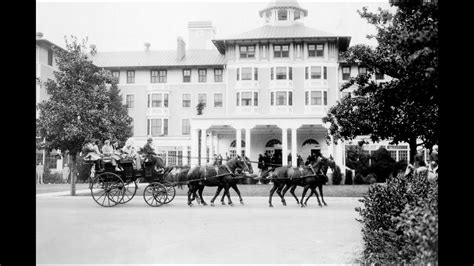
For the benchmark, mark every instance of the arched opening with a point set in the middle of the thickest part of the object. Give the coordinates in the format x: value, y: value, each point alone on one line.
x: 310, y: 147
x: 232, y: 149
x: 273, y: 147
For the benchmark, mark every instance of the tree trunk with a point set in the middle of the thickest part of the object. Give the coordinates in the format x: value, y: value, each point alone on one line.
x: 73, y: 175
x: 412, y: 143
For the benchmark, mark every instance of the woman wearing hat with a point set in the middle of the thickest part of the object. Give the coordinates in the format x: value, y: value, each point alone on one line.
x: 108, y: 152
x: 129, y: 153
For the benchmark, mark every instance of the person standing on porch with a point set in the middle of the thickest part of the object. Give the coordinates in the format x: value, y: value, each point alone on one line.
x: 39, y: 173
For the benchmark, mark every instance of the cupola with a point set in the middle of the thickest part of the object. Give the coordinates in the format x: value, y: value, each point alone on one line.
x: 283, y: 12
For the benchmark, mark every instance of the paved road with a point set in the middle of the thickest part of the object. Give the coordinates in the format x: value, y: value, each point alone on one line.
x: 77, y: 230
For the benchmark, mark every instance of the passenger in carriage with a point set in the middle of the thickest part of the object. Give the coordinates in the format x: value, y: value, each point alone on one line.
x: 150, y: 154
x: 92, y: 153
x: 108, y: 152
x: 129, y: 153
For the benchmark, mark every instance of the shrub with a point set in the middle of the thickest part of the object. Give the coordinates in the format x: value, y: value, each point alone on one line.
x: 382, y: 164
x: 52, y: 178
x: 336, y: 176
x: 399, y: 221
x: 348, y: 179
x: 359, y: 179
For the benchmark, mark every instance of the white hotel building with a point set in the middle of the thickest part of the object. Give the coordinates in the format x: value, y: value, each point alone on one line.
x: 264, y: 89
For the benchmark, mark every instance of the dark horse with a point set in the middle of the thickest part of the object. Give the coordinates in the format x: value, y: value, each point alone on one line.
x: 309, y: 178
x: 232, y: 184
x: 212, y: 176
x: 286, y: 177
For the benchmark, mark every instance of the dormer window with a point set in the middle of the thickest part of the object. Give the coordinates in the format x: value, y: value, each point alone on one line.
x: 247, y: 51
x: 282, y: 14
x: 281, y: 50
x: 297, y: 15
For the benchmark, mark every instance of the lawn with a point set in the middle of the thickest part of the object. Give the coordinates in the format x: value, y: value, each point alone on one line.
x: 245, y: 190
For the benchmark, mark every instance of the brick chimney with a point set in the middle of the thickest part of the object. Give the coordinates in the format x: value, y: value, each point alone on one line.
x: 39, y: 35
x: 181, y: 49
x: 147, y: 47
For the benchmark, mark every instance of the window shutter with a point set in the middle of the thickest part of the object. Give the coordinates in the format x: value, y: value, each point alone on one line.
x: 271, y: 73
x: 290, y: 73
x: 238, y: 73
x: 148, y: 102
x: 148, y: 126
x: 272, y: 101
x: 325, y: 73
x: 306, y: 70
x: 165, y: 127
x: 255, y: 98
x: 306, y: 98
x: 238, y: 98
x: 256, y: 73
x: 290, y: 98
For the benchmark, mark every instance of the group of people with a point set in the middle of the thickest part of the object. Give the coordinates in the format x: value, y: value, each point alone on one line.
x: 274, y: 160
x: 421, y: 168
x: 110, y: 152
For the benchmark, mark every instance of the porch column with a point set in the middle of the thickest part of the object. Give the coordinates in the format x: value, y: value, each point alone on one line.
x: 211, y: 146
x: 194, y: 146
x: 238, y: 141
x: 293, y: 148
x: 203, y: 146
x: 284, y: 146
x: 216, y: 144
x: 185, y: 154
x: 247, y: 142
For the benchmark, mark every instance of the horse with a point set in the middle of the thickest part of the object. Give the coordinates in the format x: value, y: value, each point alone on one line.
x: 289, y: 177
x: 233, y: 184
x: 311, y: 177
x: 212, y: 176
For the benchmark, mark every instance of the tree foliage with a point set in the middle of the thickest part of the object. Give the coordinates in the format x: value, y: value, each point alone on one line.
x: 80, y: 106
x: 405, y: 108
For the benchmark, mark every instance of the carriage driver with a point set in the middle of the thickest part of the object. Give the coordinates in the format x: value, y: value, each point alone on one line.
x: 150, y: 154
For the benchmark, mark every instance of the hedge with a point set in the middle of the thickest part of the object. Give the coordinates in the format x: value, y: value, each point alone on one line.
x: 400, y: 221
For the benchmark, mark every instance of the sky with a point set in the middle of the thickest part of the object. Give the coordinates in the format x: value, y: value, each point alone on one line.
x: 126, y: 26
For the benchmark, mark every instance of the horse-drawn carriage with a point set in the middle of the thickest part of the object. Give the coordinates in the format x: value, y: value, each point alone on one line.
x: 110, y: 187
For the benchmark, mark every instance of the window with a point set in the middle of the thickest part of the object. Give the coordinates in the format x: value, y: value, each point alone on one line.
x: 116, y: 75
x: 154, y: 76
x: 129, y: 100
x: 297, y: 15
x: 246, y: 98
x: 379, y: 75
x: 202, y: 74
x: 282, y: 14
x: 154, y: 127
x: 247, y: 51
x: 162, y: 76
x: 281, y: 73
x: 316, y: 98
x: 186, y: 100
x: 362, y: 70
x: 156, y: 100
x: 325, y: 72
x: 281, y: 50
x: 246, y: 73
x: 255, y: 99
x: 281, y: 97
x: 217, y: 75
x: 165, y: 127
x: 319, y: 50
x: 217, y: 99
x: 315, y: 72
x: 238, y: 73
x: 346, y: 73
x: 311, y: 50
x: 202, y: 97
x: 50, y: 57
x: 255, y: 74
x: 171, y: 158
x: 130, y: 76
x: 403, y: 155
x: 186, y: 75
x: 157, y: 126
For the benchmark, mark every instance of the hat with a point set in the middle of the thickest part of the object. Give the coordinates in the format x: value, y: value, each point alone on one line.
x: 149, y: 138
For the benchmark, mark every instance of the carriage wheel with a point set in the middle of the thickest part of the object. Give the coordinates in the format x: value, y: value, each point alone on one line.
x: 107, y: 189
x: 155, y: 194
x: 170, y: 192
x: 130, y: 189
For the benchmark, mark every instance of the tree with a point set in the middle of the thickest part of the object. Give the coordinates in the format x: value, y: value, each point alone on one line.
x: 405, y: 108
x: 80, y: 107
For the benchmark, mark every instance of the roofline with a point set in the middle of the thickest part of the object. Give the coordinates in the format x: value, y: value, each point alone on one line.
x: 49, y: 43
x: 161, y: 66
x: 343, y: 41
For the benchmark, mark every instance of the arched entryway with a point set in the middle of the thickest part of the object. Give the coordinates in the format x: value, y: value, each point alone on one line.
x: 232, y: 150
x: 310, y: 147
x: 273, y: 147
